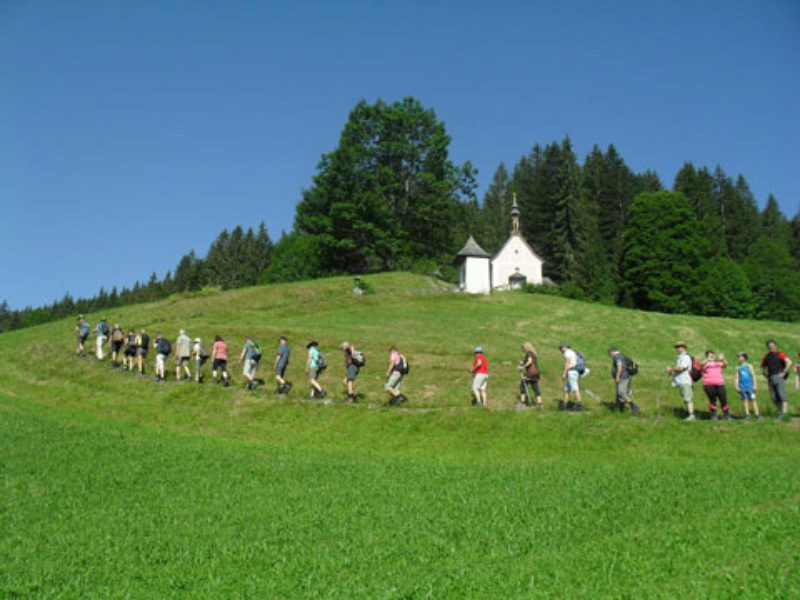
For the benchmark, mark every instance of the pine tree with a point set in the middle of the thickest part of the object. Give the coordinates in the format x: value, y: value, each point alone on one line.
x: 698, y: 187
x: 566, y: 232
x: 494, y: 220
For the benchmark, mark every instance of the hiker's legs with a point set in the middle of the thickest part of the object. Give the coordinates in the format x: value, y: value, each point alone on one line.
x: 100, y: 342
x: 393, y: 384
x: 687, y: 394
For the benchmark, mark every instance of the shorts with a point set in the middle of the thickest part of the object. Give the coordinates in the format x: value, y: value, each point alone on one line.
x: 624, y: 391
x: 312, y: 373
x: 130, y: 351
x: 394, y: 381
x: 687, y: 393
x: 480, y: 382
x: 182, y: 361
x: 534, y: 383
x: 747, y: 394
x: 160, y: 360
x: 250, y: 367
x: 352, y: 373
x: 221, y: 364
x: 141, y: 352
x: 572, y: 381
x: 281, y: 369
x: 115, y: 346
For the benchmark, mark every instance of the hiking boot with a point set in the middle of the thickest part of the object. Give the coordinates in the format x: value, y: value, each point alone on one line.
x: 579, y: 407
x: 758, y: 417
x: 690, y: 418
x: 322, y: 394
x: 401, y: 399
x: 727, y: 416
x: 521, y: 405
x: 634, y: 409
x: 227, y: 383
x: 561, y: 405
x: 714, y: 416
x: 747, y: 417
x: 287, y: 387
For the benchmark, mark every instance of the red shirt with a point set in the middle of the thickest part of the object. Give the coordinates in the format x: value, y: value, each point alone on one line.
x: 484, y: 368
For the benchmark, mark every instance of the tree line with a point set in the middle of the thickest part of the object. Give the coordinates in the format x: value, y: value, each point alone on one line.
x: 389, y: 198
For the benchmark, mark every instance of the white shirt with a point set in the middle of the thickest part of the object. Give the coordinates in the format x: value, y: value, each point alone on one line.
x: 571, y: 357
x: 685, y: 362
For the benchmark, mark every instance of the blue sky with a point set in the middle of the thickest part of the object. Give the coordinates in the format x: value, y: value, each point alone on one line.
x: 133, y: 132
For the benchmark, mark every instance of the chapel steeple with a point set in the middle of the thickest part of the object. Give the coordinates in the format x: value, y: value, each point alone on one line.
x: 514, y: 215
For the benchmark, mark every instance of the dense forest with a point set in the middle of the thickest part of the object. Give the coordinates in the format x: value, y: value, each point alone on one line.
x: 388, y: 198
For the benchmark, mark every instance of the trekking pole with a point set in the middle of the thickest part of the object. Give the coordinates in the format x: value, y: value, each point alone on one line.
x: 658, y: 398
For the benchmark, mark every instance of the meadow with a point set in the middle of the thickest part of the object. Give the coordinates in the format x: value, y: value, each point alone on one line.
x: 115, y: 486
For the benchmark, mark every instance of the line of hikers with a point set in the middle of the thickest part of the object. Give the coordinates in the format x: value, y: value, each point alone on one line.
x: 686, y: 371
x: 138, y: 346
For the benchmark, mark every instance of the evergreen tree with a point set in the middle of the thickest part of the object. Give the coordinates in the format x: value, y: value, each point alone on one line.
x: 775, y: 280
x: 742, y: 223
x: 494, y: 219
x: 663, y: 248
x: 794, y: 241
x: 567, y: 232
x: 648, y: 181
x: 698, y: 187
x: 773, y: 223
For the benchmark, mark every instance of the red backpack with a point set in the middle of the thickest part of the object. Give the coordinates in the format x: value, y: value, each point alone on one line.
x: 695, y: 371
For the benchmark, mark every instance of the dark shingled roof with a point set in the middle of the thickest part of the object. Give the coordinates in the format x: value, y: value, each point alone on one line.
x: 471, y: 248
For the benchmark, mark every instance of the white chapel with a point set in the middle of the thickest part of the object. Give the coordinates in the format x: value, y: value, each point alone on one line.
x: 513, y: 266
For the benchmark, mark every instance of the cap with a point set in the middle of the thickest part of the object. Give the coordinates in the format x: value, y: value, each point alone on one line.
x: 197, y: 340
x: 680, y: 344
x: 182, y: 332
x: 478, y: 349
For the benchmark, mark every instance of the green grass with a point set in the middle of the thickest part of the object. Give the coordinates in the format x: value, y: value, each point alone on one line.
x: 114, y: 486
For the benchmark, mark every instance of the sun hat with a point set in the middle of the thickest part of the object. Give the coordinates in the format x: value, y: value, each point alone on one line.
x: 679, y: 344
x: 344, y: 345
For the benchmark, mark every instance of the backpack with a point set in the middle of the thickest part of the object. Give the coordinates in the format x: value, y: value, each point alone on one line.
x: 580, y: 365
x: 203, y: 353
x: 632, y: 366
x: 358, y: 359
x: 257, y: 352
x: 532, y: 372
x: 403, y: 366
x: 695, y: 371
x: 85, y: 328
x: 145, y: 341
x: 117, y: 335
x: 322, y: 363
x: 105, y: 329
x: 166, y: 347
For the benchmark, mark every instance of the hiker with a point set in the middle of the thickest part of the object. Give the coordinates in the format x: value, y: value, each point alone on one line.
x: 82, y: 331
x: 200, y: 357
x: 219, y: 353
x: 314, y: 368
x: 622, y: 379
x: 142, y: 348
x: 682, y: 378
x: 398, y: 368
x: 480, y: 381
x: 570, y: 376
x: 103, y: 331
x: 130, y: 350
x: 714, y: 384
x: 282, y: 355
x: 117, y: 339
x: 353, y: 361
x: 163, y: 347
x: 529, y: 373
x: 183, y: 355
x: 746, y: 386
x: 776, y: 366
x: 251, y: 354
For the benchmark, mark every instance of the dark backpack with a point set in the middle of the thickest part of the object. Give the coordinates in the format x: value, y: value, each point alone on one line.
x: 166, y: 347
x: 257, y: 352
x: 580, y: 365
x: 403, y: 366
x: 322, y: 363
x: 105, y: 329
x: 358, y: 359
x: 632, y: 366
x: 695, y: 371
x: 532, y: 372
x: 145, y: 341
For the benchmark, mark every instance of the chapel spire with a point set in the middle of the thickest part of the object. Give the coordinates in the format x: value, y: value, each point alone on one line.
x: 514, y: 215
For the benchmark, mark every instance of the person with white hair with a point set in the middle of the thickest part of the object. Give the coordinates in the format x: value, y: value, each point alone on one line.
x: 183, y: 355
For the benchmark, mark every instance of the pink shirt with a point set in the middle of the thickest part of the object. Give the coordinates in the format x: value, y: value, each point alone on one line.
x: 220, y: 351
x: 712, y: 373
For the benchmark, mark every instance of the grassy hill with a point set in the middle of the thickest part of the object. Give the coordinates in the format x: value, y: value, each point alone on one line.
x: 114, y: 486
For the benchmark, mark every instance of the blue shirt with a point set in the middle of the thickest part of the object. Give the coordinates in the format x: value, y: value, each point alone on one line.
x: 283, y: 352
x: 314, y: 354
x: 745, y: 377
x: 100, y: 329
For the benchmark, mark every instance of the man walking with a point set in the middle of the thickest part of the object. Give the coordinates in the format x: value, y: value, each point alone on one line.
x: 776, y: 366
x: 480, y: 380
x: 162, y: 347
x: 183, y: 355
x: 82, y: 330
x: 682, y: 378
x: 250, y: 356
x: 570, y: 376
x: 282, y: 355
x: 622, y: 380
